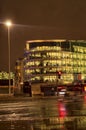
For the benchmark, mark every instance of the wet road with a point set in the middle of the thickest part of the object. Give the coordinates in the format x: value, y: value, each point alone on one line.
x: 43, y: 114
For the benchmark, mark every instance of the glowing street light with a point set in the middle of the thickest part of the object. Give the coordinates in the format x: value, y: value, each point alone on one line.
x: 9, y: 24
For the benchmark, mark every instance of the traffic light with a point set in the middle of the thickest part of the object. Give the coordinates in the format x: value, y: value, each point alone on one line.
x: 59, y: 74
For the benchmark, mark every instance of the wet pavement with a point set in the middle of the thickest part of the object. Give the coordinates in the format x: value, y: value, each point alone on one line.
x: 43, y: 114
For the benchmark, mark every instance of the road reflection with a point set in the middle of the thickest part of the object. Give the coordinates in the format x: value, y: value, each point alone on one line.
x: 43, y: 114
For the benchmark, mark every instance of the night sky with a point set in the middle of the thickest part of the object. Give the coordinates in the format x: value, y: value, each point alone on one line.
x: 39, y: 19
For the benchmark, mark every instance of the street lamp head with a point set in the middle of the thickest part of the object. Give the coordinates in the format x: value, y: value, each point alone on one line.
x: 8, y: 23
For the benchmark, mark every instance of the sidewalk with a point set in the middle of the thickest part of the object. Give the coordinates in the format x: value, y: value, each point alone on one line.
x: 23, y: 97
x: 10, y: 98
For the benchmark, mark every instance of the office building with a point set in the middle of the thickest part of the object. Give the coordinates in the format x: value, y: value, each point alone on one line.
x: 44, y: 59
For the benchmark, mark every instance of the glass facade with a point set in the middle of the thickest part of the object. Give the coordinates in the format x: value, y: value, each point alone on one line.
x: 44, y: 58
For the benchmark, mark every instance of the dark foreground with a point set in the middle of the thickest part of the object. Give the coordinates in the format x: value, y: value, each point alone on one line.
x: 24, y: 113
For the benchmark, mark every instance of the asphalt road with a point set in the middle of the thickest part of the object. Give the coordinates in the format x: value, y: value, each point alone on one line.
x: 42, y: 114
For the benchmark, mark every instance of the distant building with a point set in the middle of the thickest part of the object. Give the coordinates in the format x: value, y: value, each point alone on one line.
x: 4, y: 82
x: 43, y: 59
x: 19, y: 68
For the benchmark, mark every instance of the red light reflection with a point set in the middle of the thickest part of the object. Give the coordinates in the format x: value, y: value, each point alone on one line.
x: 62, y: 110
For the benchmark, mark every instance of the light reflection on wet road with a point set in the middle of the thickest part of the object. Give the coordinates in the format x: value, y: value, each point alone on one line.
x: 43, y: 114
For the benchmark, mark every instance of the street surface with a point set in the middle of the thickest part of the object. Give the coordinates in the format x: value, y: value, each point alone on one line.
x: 43, y: 114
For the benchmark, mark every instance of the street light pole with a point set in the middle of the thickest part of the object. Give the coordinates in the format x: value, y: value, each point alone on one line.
x: 9, y: 59
x: 8, y: 24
